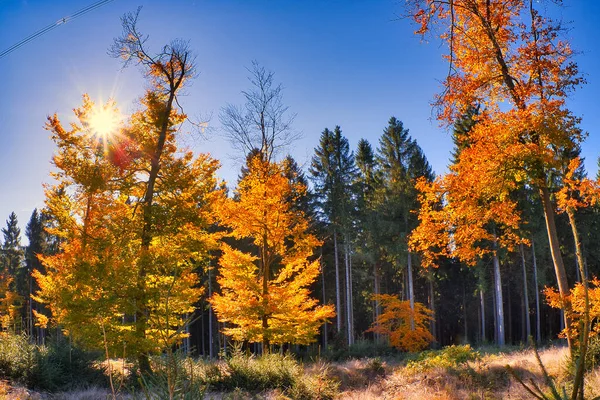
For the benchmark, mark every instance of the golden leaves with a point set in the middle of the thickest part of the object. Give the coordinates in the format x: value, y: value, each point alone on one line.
x: 272, y: 286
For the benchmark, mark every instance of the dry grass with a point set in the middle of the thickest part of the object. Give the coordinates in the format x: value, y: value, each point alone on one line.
x: 486, y: 379
x: 371, y: 379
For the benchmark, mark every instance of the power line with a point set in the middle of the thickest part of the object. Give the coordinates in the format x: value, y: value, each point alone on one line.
x: 54, y: 25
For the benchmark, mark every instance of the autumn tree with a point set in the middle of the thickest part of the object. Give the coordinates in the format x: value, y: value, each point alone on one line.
x: 507, y: 56
x: 168, y: 71
x: 406, y: 324
x: 265, y: 293
x: 94, y: 285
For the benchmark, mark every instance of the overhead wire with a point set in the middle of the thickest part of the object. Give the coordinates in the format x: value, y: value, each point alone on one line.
x: 54, y: 25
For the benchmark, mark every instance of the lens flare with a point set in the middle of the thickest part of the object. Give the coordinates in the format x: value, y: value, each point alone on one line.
x: 104, y: 122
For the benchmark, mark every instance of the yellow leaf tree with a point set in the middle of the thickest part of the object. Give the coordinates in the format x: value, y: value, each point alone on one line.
x: 265, y: 294
x: 93, y: 285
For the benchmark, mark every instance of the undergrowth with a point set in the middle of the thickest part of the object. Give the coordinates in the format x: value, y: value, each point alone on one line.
x: 448, y: 357
x: 267, y: 372
x: 55, y: 367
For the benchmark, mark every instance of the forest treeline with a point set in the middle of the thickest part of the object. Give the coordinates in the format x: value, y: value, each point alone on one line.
x: 362, y: 204
x: 142, y: 249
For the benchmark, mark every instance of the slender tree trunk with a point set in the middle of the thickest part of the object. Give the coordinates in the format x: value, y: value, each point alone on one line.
x: 142, y: 311
x: 464, y: 309
x: 411, y: 295
x: 559, y: 266
x: 348, y: 303
x: 499, y: 304
x: 211, y: 330
x: 482, y: 305
x: 377, y: 291
x: 351, y: 294
x: 432, y: 308
x: 538, y: 333
x: 578, y: 384
x: 525, y: 296
x: 509, y: 330
x: 324, y: 300
x: 338, y: 306
x: 265, y: 294
x: 187, y: 341
x: 495, y: 313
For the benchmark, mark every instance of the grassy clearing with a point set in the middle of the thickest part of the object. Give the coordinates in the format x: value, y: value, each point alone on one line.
x: 455, y: 372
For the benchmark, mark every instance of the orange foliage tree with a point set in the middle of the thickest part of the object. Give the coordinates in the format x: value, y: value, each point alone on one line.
x: 92, y: 285
x: 507, y: 57
x: 395, y: 322
x: 9, y: 302
x: 265, y: 293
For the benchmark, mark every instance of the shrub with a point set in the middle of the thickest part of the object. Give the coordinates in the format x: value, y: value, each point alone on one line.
x: 17, y: 358
x: 61, y: 366
x: 361, y: 349
x: 267, y: 372
x: 173, y: 377
x: 55, y: 367
x: 448, y: 357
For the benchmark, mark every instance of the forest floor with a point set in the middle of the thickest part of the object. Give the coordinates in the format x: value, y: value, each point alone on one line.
x: 485, y: 377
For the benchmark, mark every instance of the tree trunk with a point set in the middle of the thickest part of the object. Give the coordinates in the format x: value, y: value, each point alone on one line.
x: 432, y: 308
x: 351, y: 294
x: 348, y: 303
x: 578, y: 385
x: 538, y: 333
x: 559, y: 266
x: 482, y: 305
x: 411, y: 294
x: 377, y: 291
x: 338, y: 306
x: 211, y: 331
x: 499, y: 305
x: 465, y: 322
x: 525, y: 296
x: 324, y: 300
x: 265, y: 293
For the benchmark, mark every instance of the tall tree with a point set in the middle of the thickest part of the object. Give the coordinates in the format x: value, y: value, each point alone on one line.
x: 401, y: 162
x: 37, y: 238
x: 105, y: 271
x: 265, y: 295
x: 12, y: 254
x: 12, y: 265
x: 333, y: 172
x: 169, y: 71
x: 506, y: 55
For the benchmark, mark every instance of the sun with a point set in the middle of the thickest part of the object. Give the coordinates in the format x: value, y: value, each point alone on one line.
x: 104, y: 122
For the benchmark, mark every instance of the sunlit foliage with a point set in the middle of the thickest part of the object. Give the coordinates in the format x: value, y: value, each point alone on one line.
x: 395, y: 322
x: 92, y: 285
x: 265, y: 294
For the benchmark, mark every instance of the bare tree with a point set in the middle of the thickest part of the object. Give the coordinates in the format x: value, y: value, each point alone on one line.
x: 263, y: 122
x: 167, y: 72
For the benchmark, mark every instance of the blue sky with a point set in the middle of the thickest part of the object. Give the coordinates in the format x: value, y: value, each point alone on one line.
x: 351, y: 63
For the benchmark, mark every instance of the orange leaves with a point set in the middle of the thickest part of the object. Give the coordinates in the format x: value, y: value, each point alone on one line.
x: 577, y: 192
x: 576, y: 299
x: 9, y: 302
x: 395, y: 322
